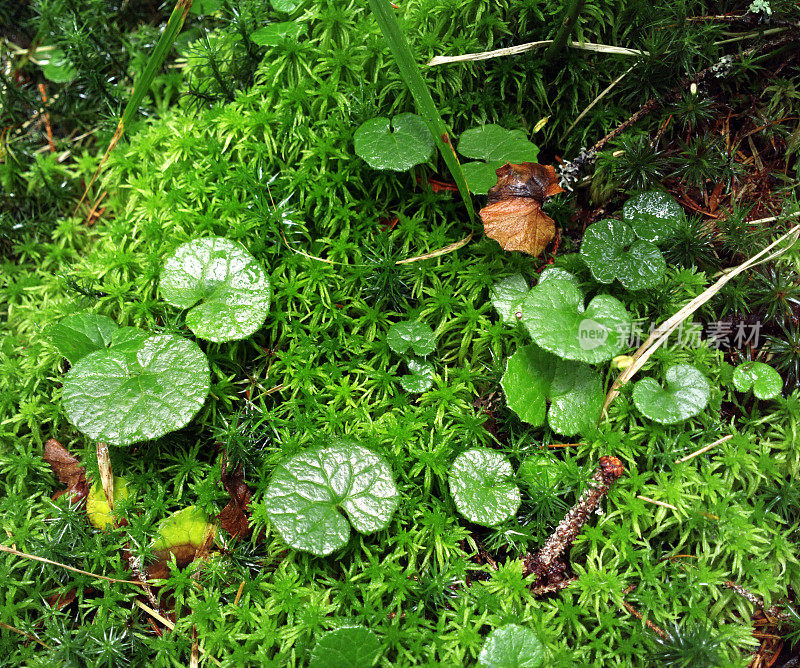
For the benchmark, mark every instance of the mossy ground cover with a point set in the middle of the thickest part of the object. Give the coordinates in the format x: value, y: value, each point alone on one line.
x: 264, y: 156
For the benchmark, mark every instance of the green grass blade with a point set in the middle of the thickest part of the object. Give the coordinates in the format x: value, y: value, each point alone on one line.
x: 409, y: 70
x: 143, y: 83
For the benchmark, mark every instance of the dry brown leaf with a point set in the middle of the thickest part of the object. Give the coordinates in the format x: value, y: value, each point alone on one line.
x: 513, y: 214
x: 68, y: 470
x: 234, y: 516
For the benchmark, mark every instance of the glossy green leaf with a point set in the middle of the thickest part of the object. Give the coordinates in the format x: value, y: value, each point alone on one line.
x: 78, y: 335
x: 276, y: 33
x: 765, y: 381
x: 287, y: 6
x: 557, y: 274
x: 416, y: 336
x: 554, y: 314
x: 507, y: 296
x: 227, y: 284
x: 575, y: 391
x: 539, y: 472
x: 512, y: 646
x: 410, y: 144
x: 653, y: 215
x: 685, y: 394
x: 611, y: 250
x: 420, y: 377
x: 495, y: 146
x: 346, y: 647
x: 129, y: 338
x: 206, y: 6
x: 482, y: 485
x: 308, y: 495
x: 58, y: 68
x: 125, y: 395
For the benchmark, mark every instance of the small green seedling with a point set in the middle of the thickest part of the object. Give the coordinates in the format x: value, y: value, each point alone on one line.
x: 415, y: 336
x: 494, y: 147
x: 765, y: 381
x: 78, y: 335
x: 225, y: 284
x: 410, y: 144
x: 308, y: 495
x: 142, y: 389
x: 482, y: 485
x: 685, y: 394
x: 420, y: 377
x: 97, y: 509
x: 554, y: 314
x: 350, y: 646
x: 611, y: 250
x: 512, y: 646
x: 575, y: 391
x: 654, y: 215
x: 277, y: 33
x: 58, y: 68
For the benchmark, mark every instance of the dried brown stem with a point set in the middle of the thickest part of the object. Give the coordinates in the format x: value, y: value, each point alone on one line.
x: 655, y: 629
x: 756, y: 601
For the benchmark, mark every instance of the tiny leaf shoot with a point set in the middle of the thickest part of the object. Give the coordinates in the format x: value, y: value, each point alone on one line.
x: 421, y: 377
x: 416, y: 336
x: 685, y: 394
x: 765, y: 381
x: 308, y: 495
x: 482, y: 485
x: 225, y: 285
x: 130, y: 394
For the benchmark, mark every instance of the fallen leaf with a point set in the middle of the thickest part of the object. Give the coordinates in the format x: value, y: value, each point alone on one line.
x: 513, y: 214
x: 68, y: 470
x: 234, y: 518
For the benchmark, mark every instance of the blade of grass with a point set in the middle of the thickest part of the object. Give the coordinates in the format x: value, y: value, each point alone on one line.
x: 165, y: 42
x: 410, y: 71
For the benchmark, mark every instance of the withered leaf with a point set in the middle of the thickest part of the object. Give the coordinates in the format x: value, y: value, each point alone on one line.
x: 513, y: 214
x: 68, y: 470
x: 234, y: 516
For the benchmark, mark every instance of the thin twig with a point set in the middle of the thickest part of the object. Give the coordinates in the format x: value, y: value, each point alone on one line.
x: 704, y: 449
x: 655, y: 629
x: 658, y: 503
x: 29, y: 636
x: 25, y: 555
x: 605, y: 92
x: 531, y: 46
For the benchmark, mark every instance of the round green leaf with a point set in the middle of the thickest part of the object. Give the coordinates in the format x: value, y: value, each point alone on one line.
x: 481, y: 176
x: 276, y: 33
x: 654, y: 215
x: 58, y: 68
x: 287, y: 6
x: 611, y: 250
x: 229, y: 284
x: 685, y: 394
x: 765, y: 381
x: 557, y: 273
x: 122, y: 396
x: 493, y: 143
x: 507, y: 296
x: 575, y: 390
x: 482, y: 485
x: 346, y: 647
x: 410, y: 143
x: 421, y: 377
x: 554, y: 314
x: 512, y: 646
x: 307, y: 495
x: 405, y: 335
x: 78, y: 335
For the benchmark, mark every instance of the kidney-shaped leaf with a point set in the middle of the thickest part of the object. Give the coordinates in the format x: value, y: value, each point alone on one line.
x: 227, y: 284
x: 308, y: 494
x: 611, y: 250
x: 557, y: 274
x: 765, y: 381
x: 512, y: 646
x: 654, y: 215
x: 555, y: 316
x: 575, y: 390
x: 406, y: 334
x: 130, y: 394
x: 496, y: 146
x: 482, y: 485
x: 685, y: 393
x: 346, y: 647
x: 420, y: 377
x: 410, y: 143
x: 78, y: 335
x: 507, y: 296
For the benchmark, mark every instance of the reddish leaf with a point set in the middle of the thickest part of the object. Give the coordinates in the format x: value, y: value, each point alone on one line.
x: 513, y: 214
x: 234, y: 516
x: 68, y: 470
